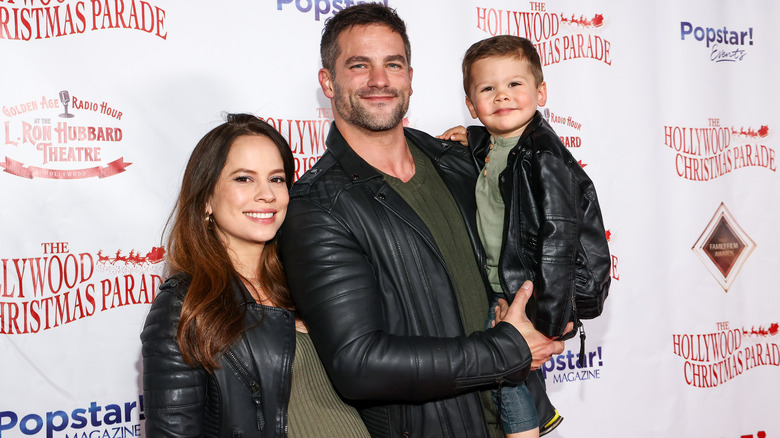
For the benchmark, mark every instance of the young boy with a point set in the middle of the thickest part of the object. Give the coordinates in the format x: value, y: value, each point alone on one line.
x: 533, y: 199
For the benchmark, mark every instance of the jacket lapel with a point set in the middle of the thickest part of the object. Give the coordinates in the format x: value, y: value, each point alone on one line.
x: 360, y: 172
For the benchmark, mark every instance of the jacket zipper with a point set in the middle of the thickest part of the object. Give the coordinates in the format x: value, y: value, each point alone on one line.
x: 405, y: 413
x: 578, y: 326
x: 248, y: 379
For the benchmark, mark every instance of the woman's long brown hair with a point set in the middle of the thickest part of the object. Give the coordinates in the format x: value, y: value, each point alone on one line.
x: 211, y: 318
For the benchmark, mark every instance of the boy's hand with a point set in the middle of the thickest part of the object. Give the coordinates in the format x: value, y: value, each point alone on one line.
x: 501, y: 310
x: 457, y: 133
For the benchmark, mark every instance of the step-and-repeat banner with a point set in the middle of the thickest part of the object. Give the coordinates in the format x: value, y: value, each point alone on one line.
x: 671, y: 107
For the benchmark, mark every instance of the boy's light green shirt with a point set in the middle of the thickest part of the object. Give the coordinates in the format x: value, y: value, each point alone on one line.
x: 490, y: 205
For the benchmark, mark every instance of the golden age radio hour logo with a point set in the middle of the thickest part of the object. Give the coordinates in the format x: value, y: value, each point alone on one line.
x: 62, y: 137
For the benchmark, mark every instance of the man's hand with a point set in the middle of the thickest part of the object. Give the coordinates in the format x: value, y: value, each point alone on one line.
x: 457, y: 133
x: 542, y: 348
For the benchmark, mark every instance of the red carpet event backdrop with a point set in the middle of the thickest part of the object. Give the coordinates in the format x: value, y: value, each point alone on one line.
x: 671, y: 108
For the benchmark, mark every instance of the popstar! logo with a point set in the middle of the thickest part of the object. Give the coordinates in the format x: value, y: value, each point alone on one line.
x: 306, y: 137
x: 566, y: 367
x: 111, y: 420
x: 320, y: 8
x: 727, y: 44
x: 708, y: 152
x: 60, y: 287
x: 723, y: 247
x: 43, y: 19
x: 53, y: 145
x: 544, y: 30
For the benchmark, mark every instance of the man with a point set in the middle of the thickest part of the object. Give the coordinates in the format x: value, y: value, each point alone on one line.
x: 381, y: 253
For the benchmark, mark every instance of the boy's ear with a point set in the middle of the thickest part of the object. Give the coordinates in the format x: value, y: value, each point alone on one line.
x: 326, y: 83
x: 541, y: 98
x: 470, y: 106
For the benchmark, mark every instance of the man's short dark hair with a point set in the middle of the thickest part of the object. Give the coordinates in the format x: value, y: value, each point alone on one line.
x: 359, y: 15
x: 502, y: 46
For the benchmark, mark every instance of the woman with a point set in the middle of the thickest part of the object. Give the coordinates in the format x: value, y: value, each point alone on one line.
x: 224, y: 353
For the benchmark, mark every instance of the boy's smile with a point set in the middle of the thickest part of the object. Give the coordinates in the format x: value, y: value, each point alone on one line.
x: 504, y: 95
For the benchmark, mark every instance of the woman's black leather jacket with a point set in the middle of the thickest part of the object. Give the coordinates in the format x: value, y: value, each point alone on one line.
x: 181, y: 400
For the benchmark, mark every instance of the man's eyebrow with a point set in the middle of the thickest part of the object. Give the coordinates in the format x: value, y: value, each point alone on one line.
x: 357, y: 58
x: 398, y: 57
x: 363, y: 58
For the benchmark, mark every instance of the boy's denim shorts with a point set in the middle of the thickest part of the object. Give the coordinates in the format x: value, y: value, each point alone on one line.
x: 518, y: 412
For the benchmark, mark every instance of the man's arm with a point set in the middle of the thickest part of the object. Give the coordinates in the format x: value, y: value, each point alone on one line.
x: 336, y: 292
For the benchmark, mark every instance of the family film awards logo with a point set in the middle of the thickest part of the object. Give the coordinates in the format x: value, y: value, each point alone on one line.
x: 723, y: 247
x: 66, y: 137
x: 558, y: 37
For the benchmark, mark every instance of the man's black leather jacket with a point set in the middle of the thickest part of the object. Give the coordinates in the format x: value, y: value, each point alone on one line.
x: 371, y: 285
x: 553, y: 230
x: 185, y: 401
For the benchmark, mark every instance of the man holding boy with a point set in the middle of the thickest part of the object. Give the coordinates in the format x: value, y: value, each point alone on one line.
x: 538, y: 215
x: 382, y: 256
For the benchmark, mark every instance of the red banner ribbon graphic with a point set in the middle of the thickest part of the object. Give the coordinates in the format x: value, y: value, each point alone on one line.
x: 17, y: 168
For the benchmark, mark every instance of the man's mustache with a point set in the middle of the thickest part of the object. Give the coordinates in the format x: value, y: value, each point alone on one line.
x: 370, y: 92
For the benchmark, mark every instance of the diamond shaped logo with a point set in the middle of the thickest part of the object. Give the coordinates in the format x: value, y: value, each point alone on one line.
x: 723, y: 247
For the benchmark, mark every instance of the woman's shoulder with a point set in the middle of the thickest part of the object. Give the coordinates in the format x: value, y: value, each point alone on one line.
x: 176, y: 284
x: 168, y: 300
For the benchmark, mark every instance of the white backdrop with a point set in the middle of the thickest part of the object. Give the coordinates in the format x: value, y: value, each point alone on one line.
x: 670, y: 106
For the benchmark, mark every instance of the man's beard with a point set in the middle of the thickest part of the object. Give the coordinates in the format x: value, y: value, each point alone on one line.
x: 350, y: 108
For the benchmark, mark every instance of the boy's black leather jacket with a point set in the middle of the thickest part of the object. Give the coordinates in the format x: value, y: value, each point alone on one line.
x: 185, y: 401
x: 553, y: 229
x: 371, y: 285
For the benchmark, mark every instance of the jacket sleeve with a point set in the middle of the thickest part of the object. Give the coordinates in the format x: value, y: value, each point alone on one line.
x: 335, y: 289
x: 556, y: 192
x: 174, y: 391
